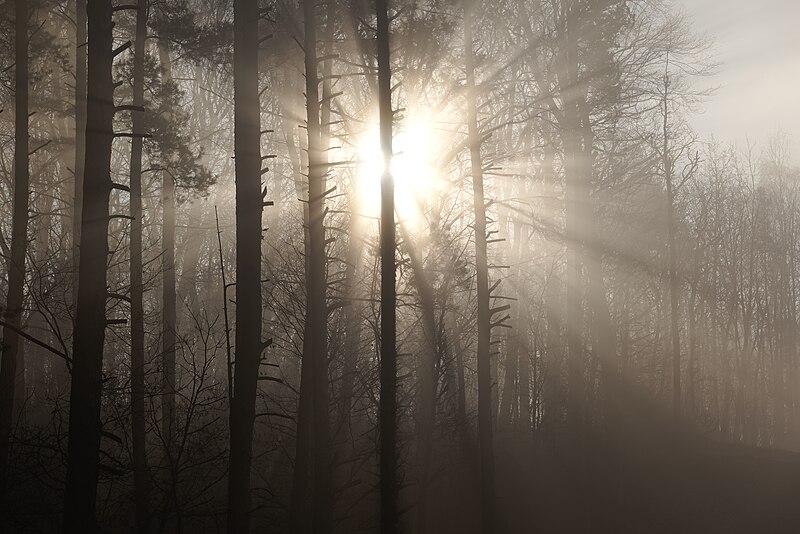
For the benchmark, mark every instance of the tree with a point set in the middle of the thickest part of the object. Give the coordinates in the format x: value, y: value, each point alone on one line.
x: 12, y: 316
x: 249, y: 204
x: 140, y: 475
x: 90, y: 319
x: 389, y: 487
x: 80, y: 138
x: 485, y: 436
x: 168, y: 321
x: 316, y: 290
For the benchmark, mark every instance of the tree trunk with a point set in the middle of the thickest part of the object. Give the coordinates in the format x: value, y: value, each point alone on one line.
x: 168, y: 319
x: 352, y: 324
x: 485, y: 439
x: 603, y: 334
x: 672, y: 269
x: 509, y: 401
x: 387, y: 418
x: 37, y: 322
x: 575, y: 184
x: 316, y: 333
x: 249, y: 206
x: 141, y: 489
x: 12, y: 344
x: 90, y: 320
x: 427, y: 377
x: 692, y: 364
x: 552, y: 389
x: 521, y: 338
x: 299, y: 518
x: 80, y: 138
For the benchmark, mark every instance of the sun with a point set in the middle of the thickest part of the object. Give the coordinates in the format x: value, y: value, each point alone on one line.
x: 413, y: 169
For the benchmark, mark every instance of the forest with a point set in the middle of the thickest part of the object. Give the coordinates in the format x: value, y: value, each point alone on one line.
x: 424, y: 266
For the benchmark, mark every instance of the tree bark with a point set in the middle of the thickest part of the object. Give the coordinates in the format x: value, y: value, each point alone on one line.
x: 90, y: 321
x: 249, y: 206
x: 299, y: 518
x: 427, y: 376
x: 672, y: 268
x: 387, y: 418
x: 575, y: 184
x: 80, y: 138
x: 168, y: 299
x: 141, y: 488
x: 485, y: 438
x: 553, y: 391
x: 12, y: 345
x: 316, y: 333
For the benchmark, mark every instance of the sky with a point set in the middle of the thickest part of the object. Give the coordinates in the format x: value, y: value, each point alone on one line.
x: 758, y: 45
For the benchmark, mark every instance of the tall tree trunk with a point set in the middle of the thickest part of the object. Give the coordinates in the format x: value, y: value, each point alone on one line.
x: 249, y: 206
x: 90, y: 321
x: 455, y: 332
x: 511, y: 382
x: 389, y: 485
x: 298, y: 508
x: 427, y: 376
x: 603, y: 334
x: 37, y: 322
x: 553, y: 395
x: 299, y: 518
x: 575, y: 183
x: 510, y: 393
x: 140, y: 482
x: 80, y: 138
x: 485, y: 439
x: 169, y: 313
x: 355, y: 248
x: 672, y: 268
x: 352, y: 324
x: 692, y: 363
x: 12, y: 344
x: 521, y: 337
x: 316, y: 333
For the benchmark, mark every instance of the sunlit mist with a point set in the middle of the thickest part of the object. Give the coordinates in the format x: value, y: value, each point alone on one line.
x: 584, y: 319
x: 413, y: 169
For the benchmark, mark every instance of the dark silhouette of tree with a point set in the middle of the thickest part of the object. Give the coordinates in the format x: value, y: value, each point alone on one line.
x: 316, y: 290
x: 138, y: 422
x: 249, y: 205
x: 80, y: 138
x: 389, y: 484
x: 168, y: 298
x: 90, y: 320
x: 567, y: 311
x: 485, y: 435
x: 12, y: 362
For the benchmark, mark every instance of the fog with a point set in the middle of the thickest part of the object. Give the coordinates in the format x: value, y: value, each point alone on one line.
x: 423, y: 266
x: 757, y: 44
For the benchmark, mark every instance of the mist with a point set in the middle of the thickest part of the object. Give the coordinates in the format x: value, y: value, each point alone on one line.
x: 430, y: 266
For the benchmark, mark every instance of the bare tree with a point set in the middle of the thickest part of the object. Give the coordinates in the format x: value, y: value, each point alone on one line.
x: 485, y: 435
x: 389, y: 486
x: 168, y: 293
x: 12, y: 362
x: 90, y: 320
x: 316, y: 333
x: 249, y: 205
x: 140, y: 480
x: 80, y: 138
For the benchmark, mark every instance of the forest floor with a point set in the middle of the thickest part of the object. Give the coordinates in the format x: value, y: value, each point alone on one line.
x: 654, y: 477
